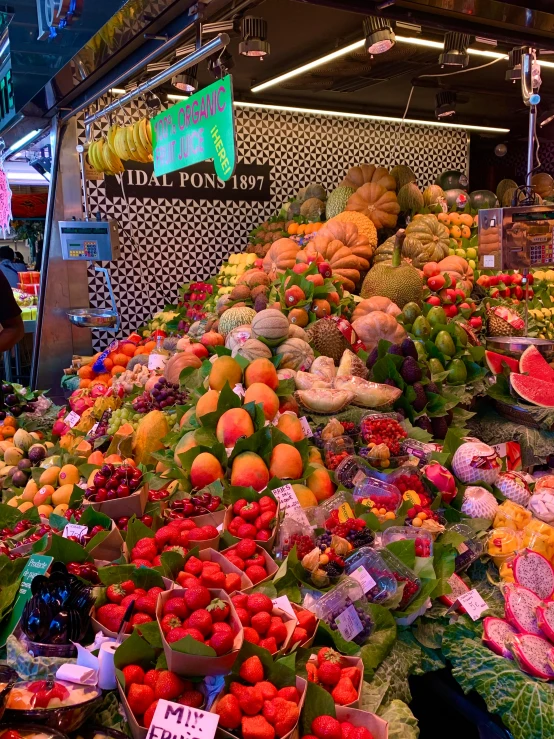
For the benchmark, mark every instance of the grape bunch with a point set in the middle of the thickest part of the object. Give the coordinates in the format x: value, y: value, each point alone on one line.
x: 365, y: 621
x: 121, y: 416
x: 103, y: 425
x: 164, y: 394
x: 12, y: 403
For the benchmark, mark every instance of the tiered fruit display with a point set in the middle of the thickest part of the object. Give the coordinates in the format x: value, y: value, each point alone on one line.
x: 231, y: 270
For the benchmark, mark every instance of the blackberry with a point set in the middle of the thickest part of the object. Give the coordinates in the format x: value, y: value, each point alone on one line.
x: 363, y: 538
x: 333, y: 569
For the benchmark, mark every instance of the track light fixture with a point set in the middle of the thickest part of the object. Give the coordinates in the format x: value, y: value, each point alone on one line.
x: 455, y: 52
x: 379, y: 36
x: 186, y: 82
x: 445, y: 104
x: 513, y: 74
x: 254, y: 37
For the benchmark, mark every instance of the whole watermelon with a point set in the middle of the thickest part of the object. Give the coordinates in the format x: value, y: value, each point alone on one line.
x: 456, y: 198
x: 452, y: 179
x: 483, y: 199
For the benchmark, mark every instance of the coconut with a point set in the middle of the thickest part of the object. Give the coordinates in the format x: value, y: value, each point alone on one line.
x: 475, y: 462
x: 512, y: 485
x: 479, y: 503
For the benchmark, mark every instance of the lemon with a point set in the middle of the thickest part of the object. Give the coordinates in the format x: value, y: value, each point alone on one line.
x: 460, y: 253
x: 472, y: 263
x: 549, y: 275
x: 471, y: 252
x: 451, y: 252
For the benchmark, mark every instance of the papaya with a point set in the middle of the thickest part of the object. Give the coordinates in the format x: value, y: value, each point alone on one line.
x: 83, y: 448
x: 150, y: 431
x: 122, y: 441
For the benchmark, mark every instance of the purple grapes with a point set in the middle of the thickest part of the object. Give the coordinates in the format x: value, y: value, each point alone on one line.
x: 164, y: 394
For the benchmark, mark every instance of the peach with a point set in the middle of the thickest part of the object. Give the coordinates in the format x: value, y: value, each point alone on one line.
x: 260, y: 393
x: 305, y: 496
x: 249, y: 470
x: 285, y: 462
x: 321, y: 484
x: 233, y: 424
x: 261, y: 370
x: 185, y: 443
x: 224, y: 369
x: 289, y: 424
x: 205, y: 470
x: 207, y: 403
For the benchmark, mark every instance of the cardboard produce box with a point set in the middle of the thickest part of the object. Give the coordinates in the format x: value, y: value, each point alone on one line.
x: 310, y: 640
x: 270, y: 565
x: 378, y: 727
x: 349, y: 662
x: 132, y: 505
x: 267, y: 545
x: 212, y: 555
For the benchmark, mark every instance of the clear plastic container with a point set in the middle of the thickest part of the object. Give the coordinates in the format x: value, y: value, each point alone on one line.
x: 338, y: 449
x: 379, y: 496
x: 510, y: 515
x: 423, y: 539
x: 502, y: 543
x: 376, y: 579
x: 411, y: 483
x: 419, y: 450
x: 402, y: 575
x: 468, y: 550
x: 371, y: 431
x: 342, y: 611
x: 351, y: 471
x: 333, y: 503
x: 291, y: 533
x: 374, y: 455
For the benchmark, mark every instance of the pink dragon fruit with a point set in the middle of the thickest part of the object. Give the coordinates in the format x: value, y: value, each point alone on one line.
x: 497, y: 635
x: 534, y: 572
x: 545, y: 620
x: 59, y: 428
x: 442, y: 479
x: 520, y: 609
x: 532, y: 655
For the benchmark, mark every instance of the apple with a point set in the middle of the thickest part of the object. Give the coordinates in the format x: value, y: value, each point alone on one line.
x: 431, y: 269
x: 448, y: 295
x: 517, y: 279
x: 494, y: 280
x: 316, y: 279
x: 451, y: 311
x: 324, y: 269
x: 464, y: 306
x: 198, y: 349
x: 460, y: 293
x: 530, y: 279
x: 476, y: 322
x: 436, y: 282
x: 505, y: 293
x: 517, y: 292
x: 495, y: 293
x: 433, y: 300
x: 484, y: 281
x: 300, y: 268
x: 506, y: 279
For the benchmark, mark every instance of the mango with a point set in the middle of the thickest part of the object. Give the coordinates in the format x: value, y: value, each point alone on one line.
x: 162, y: 467
x: 321, y: 484
x: 261, y: 370
x: 314, y: 455
x: 5, y: 471
x: 148, y: 437
x: 305, y: 496
x: 62, y: 494
x: 185, y: 418
x: 289, y: 424
x: 30, y: 490
x: 185, y: 443
x: 224, y: 369
x: 233, y: 424
x: 14, y: 502
x: 285, y: 462
x: 44, y: 510
x: 13, y: 455
x: 205, y: 469
x: 249, y: 470
x: 60, y: 509
x: 44, y: 494
x: 207, y: 403
x: 50, y: 476
x: 24, y: 506
x: 260, y: 393
x: 69, y: 475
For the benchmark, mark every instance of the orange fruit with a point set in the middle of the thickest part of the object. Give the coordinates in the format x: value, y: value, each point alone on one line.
x: 444, y: 218
x: 127, y: 348
x: 466, y: 219
x: 10, y: 421
x: 113, y: 459
x: 455, y: 218
x: 84, y: 383
x: 103, y: 378
x: 466, y: 232
x: 149, y: 346
x: 292, y: 229
x: 108, y: 364
x: 455, y: 232
x: 117, y: 369
x: 85, y: 372
x: 8, y: 431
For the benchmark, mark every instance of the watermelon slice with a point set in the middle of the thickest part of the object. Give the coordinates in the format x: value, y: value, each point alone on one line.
x: 494, y: 362
x: 534, y: 364
x: 537, y: 392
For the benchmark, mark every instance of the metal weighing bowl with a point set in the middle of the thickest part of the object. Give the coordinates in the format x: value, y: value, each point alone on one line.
x: 514, y: 346
x: 92, y: 317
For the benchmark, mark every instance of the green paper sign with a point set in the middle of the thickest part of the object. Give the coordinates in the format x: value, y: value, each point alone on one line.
x: 198, y: 128
x: 38, y: 564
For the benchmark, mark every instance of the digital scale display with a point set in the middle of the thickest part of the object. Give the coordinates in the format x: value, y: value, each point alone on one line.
x: 545, y: 215
x: 96, y: 241
x: 84, y: 230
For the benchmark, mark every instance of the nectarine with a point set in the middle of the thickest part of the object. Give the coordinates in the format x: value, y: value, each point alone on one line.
x: 249, y: 470
x: 285, y: 462
x: 233, y: 424
x: 260, y: 393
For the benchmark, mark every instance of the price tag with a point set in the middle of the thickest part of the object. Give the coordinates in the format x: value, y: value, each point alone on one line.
x: 239, y: 390
x: 72, y: 419
x: 37, y: 565
x: 73, y: 529
x: 93, y: 429
x: 285, y: 605
x: 349, y: 624
x: 345, y: 512
x: 472, y: 602
x: 172, y: 720
x: 362, y: 576
x: 306, y: 428
x: 488, y: 260
x: 156, y: 361
x: 286, y: 497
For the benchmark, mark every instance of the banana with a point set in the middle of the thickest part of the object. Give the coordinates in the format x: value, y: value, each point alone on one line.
x: 146, y: 143
x: 112, y: 161
x: 101, y: 158
x: 111, y: 136
x: 130, y: 142
x: 93, y: 156
x: 149, y: 131
x: 121, y: 143
x: 141, y: 151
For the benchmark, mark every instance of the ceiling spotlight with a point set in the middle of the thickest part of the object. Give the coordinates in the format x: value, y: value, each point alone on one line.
x: 379, y: 36
x: 220, y: 64
x: 513, y: 74
x: 187, y: 81
x: 455, y: 52
x: 254, y: 37
x: 445, y: 104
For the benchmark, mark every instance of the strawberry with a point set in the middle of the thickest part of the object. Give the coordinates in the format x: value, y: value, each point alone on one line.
x: 168, y: 686
x: 250, y: 511
x: 252, y: 670
x: 269, y: 690
x: 110, y: 616
x: 245, y: 548
x: 140, y: 618
x: 151, y: 678
x: 237, y: 561
x: 157, y: 561
x: 281, y: 714
x: 144, y: 549
x: 213, y: 579
x: 250, y: 698
x: 187, y: 581
x: 221, y: 642
x: 154, y: 592
x: 232, y: 582
x: 329, y: 673
x: 251, y: 635
x: 128, y: 599
x: 269, y: 643
x: 278, y: 631
x: 326, y: 727
x: 261, y: 622
x: 264, y: 535
x: 256, y: 573
x: 193, y: 565
x: 235, y: 524
x: 354, y: 673
x: 258, y: 602
x: 168, y: 622
x: 179, y: 632
x: 328, y: 654
x: 347, y: 729
x: 243, y: 616
x: 299, y: 635
x: 146, y: 604
x: 177, y: 607
x: 128, y: 586
x: 219, y: 610
x: 141, y: 562
x: 149, y: 715
x: 239, y: 600
x: 229, y: 712
x: 182, y: 550
x: 360, y: 732
x: 312, y: 673
x: 140, y: 698
x: 289, y: 693
x: 344, y: 691
x: 238, y: 505
x: 192, y: 698
x: 256, y: 727
x: 266, y: 520
x: 133, y: 674
x: 247, y: 531
x: 115, y: 593
x: 197, y: 597
x: 306, y: 619
x: 209, y: 531
x: 222, y: 627
x: 166, y: 535
x: 202, y: 621
x: 267, y: 504
x: 255, y: 559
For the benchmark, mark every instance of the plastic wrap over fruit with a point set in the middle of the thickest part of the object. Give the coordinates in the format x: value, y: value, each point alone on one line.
x: 479, y: 503
x: 541, y: 504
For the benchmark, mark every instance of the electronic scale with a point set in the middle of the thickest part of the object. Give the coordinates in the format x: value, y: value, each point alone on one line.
x: 516, y: 238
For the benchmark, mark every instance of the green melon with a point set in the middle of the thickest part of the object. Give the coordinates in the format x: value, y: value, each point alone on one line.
x: 410, y: 198
x: 452, y: 179
x: 336, y: 202
x: 403, y: 175
x: 503, y: 186
x: 432, y: 194
x: 483, y: 199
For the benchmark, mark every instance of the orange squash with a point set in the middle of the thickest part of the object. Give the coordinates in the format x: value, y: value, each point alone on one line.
x: 377, y: 203
x: 376, y: 303
x: 178, y: 362
x: 459, y: 271
x: 377, y: 325
x: 345, y: 265
x: 350, y: 236
x: 369, y: 173
x: 281, y: 256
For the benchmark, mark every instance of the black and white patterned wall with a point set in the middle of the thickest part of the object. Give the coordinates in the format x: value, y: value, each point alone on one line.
x: 167, y: 241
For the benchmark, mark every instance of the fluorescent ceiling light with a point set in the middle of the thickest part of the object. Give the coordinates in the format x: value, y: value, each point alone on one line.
x: 171, y: 96
x: 414, y: 40
x: 363, y: 116
x: 21, y: 142
x: 118, y: 91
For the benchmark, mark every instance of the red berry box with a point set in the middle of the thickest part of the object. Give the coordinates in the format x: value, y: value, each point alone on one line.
x: 264, y: 624
x: 106, y: 618
x: 270, y: 566
x: 253, y: 523
x: 188, y: 664
x: 378, y: 728
x: 305, y: 620
x: 134, y: 504
x: 174, y: 536
x: 227, y: 567
x: 344, y: 663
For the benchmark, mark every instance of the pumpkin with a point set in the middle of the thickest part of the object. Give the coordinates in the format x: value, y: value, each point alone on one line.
x: 377, y: 203
x: 253, y: 349
x: 295, y: 354
x: 345, y: 265
x: 377, y: 325
x: 433, y: 238
x: 459, y: 271
x: 350, y: 236
x: 383, y: 253
x: 149, y: 434
x: 270, y: 326
x: 369, y: 173
x: 281, y: 256
x: 376, y: 303
x: 177, y: 363
x: 364, y: 224
x: 543, y: 184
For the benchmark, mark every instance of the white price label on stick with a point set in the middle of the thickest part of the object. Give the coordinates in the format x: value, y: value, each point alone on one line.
x: 93, y: 429
x: 472, y: 602
x: 349, y: 624
x: 74, y: 529
x: 239, y: 390
x: 174, y: 721
x: 362, y: 576
x: 72, y: 419
x: 306, y: 428
x: 286, y: 497
x: 284, y: 604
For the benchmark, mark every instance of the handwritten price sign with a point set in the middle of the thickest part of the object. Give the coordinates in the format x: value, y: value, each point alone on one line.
x: 173, y: 721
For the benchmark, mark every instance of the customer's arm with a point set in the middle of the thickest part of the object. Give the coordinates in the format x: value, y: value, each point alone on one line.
x: 12, y: 329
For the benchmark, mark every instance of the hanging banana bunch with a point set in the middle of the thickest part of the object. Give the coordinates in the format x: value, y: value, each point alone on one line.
x: 102, y: 158
x: 131, y: 142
